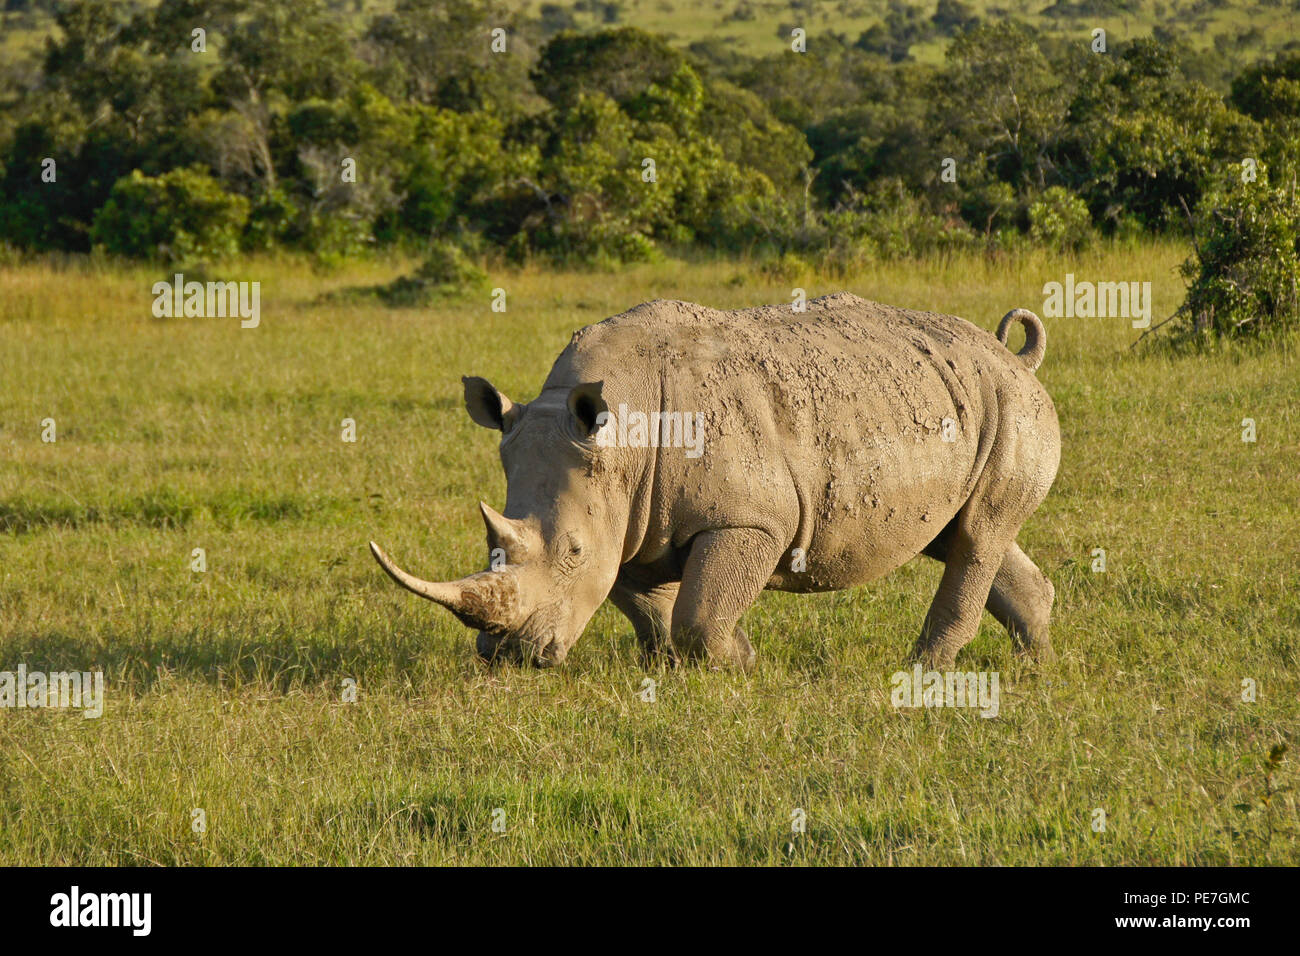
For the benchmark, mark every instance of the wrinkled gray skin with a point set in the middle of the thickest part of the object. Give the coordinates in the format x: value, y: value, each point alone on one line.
x: 823, y: 432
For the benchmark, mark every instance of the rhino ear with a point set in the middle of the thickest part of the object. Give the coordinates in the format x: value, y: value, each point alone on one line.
x: 587, y: 405
x: 485, y: 404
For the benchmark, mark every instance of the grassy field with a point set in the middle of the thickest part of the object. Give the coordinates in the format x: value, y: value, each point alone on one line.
x: 763, y: 26
x: 755, y: 26
x: 225, y: 688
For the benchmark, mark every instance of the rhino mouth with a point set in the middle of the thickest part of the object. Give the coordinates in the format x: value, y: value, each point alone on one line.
x: 497, y: 648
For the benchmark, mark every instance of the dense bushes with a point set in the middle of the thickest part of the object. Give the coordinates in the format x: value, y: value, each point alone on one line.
x: 413, y: 126
x: 1058, y: 219
x: 1245, y: 275
x: 179, y: 216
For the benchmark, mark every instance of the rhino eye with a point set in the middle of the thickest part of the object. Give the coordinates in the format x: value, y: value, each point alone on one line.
x: 570, y: 554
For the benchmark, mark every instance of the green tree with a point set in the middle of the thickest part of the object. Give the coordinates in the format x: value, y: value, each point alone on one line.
x: 1003, y: 102
x: 438, y: 53
x: 1144, y: 140
x: 1269, y: 93
x: 624, y: 64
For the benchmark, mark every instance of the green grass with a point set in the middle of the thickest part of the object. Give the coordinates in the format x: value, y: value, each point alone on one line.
x: 1196, y: 22
x: 224, y: 688
x: 686, y: 21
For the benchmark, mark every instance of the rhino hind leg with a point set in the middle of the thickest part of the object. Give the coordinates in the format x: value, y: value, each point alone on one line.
x: 1020, y: 598
x: 969, y: 570
x: 981, y: 541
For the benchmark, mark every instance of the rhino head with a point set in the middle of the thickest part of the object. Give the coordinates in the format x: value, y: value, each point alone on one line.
x: 561, y: 536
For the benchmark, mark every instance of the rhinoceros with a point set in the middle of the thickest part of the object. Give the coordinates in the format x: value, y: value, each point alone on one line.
x: 827, y: 446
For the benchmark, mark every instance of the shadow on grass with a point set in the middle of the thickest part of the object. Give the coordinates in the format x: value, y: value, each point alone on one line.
x: 279, y: 664
x: 163, y: 509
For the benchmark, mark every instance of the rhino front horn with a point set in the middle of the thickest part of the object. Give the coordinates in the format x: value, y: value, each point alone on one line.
x: 485, y: 601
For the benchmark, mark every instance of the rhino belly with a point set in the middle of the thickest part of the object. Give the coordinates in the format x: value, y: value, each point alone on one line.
x: 873, y: 513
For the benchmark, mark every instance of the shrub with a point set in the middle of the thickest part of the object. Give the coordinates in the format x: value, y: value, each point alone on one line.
x: 1247, y: 263
x: 447, y: 265
x: 889, y: 222
x: 270, y: 220
x: 179, y: 216
x: 446, y: 272
x: 785, y: 268
x: 1060, y: 219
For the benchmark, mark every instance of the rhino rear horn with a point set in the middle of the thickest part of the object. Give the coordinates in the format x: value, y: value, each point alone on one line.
x: 485, y: 601
x: 502, y: 532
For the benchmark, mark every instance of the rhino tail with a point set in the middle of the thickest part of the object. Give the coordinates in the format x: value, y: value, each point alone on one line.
x: 1035, y: 336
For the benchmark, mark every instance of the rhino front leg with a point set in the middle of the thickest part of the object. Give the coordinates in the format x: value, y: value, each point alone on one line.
x: 724, y: 573
x: 650, y: 609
